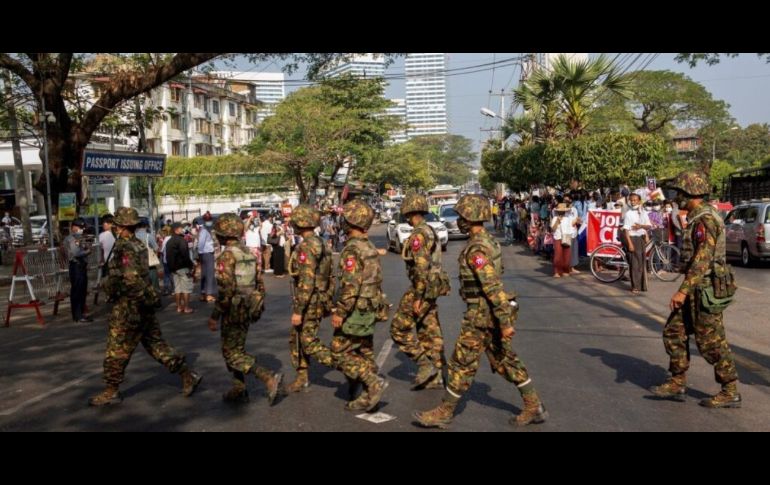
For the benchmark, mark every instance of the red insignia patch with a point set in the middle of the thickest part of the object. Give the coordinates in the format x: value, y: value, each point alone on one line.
x: 302, y: 257
x: 126, y: 260
x: 416, y: 244
x: 350, y: 264
x: 221, y: 267
x: 700, y: 233
x: 479, y: 261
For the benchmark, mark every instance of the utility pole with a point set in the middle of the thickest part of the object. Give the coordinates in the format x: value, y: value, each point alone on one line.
x: 22, y: 202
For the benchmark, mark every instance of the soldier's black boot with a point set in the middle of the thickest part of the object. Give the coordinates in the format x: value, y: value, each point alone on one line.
x: 674, y: 388
x: 190, y: 381
x: 353, y: 387
x: 110, y: 395
x: 728, y: 397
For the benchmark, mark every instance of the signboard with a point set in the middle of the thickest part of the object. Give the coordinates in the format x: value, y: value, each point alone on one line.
x: 101, y: 187
x: 68, y: 209
x: 603, y: 228
x: 100, y: 162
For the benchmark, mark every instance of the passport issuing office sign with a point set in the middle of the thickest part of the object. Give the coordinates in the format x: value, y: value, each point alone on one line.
x: 101, y: 162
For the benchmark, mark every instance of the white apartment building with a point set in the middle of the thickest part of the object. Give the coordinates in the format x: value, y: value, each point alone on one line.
x: 426, y: 107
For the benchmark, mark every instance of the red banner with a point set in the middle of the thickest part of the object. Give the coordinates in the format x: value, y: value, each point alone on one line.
x: 603, y: 228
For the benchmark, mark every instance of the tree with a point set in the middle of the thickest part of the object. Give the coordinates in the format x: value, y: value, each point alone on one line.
x: 747, y: 146
x: 710, y: 58
x: 316, y: 130
x: 51, y: 80
x: 449, y: 156
x: 601, y: 160
x: 403, y: 164
x: 657, y: 101
x: 560, y: 100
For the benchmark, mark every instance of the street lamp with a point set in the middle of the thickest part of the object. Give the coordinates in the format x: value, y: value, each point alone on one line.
x: 488, y: 112
x: 714, y: 143
x: 47, y: 117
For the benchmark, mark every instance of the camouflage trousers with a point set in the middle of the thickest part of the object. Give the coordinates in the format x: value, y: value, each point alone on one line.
x: 234, y: 350
x: 132, y: 323
x: 354, y: 356
x: 479, y: 333
x: 304, y: 342
x: 710, y: 339
x: 428, y: 339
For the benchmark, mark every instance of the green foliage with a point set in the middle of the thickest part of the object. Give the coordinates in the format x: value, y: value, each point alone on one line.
x: 595, y: 160
x: 317, y: 129
x: 710, y: 58
x: 656, y: 101
x: 215, y: 176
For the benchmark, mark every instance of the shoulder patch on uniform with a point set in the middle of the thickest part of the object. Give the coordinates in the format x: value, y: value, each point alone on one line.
x: 350, y: 263
x: 479, y: 261
x: 416, y: 244
x: 126, y: 260
x: 302, y: 257
x: 700, y: 232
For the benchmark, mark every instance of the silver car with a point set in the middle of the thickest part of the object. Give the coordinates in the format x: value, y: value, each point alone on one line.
x: 448, y: 216
x: 399, y: 230
x: 746, y: 229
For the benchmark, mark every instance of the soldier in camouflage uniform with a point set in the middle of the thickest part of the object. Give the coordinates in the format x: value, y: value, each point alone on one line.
x: 360, y: 304
x: 487, y: 324
x: 422, y: 254
x: 132, y: 319
x: 310, y: 266
x: 239, y: 302
x: 703, y: 254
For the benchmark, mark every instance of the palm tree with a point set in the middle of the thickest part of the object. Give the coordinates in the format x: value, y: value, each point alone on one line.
x: 539, y: 97
x: 579, y: 84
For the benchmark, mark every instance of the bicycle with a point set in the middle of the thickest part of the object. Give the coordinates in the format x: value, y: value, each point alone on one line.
x: 609, y: 261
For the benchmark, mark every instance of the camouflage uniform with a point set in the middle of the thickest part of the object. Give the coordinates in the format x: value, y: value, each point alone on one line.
x: 132, y: 319
x: 422, y: 254
x: 360, y: 295
x: 488, y: 314
x: 310, y: 266
x: 703, y: 249
x: 239, y: 302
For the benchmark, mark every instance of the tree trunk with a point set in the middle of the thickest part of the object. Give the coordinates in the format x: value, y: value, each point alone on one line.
x: 22, y: 200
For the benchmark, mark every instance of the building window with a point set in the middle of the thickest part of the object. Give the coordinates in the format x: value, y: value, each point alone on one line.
x: 176, y: 95
x: 232, y: 109
x: 150, y: 146
x: 202, y: 149
x: 176, y: 122
x: 215, y: 106
x: 176, y: 148
x: 202, y: 126
x: 218, y: 130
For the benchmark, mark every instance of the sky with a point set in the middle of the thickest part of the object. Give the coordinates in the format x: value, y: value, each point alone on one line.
x: 742, y: 82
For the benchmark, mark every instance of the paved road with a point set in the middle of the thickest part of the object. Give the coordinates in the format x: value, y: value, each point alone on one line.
x: 592, y: 350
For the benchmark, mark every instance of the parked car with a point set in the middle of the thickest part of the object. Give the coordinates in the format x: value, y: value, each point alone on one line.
x: 746, y: 229
x: 264, y: 212
x: 448, y: 216
x: 399, y: 230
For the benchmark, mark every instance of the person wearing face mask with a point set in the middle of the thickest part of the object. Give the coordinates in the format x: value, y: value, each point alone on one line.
x: 77, y: 252
x: 656, y: 219
x: 636, y: 223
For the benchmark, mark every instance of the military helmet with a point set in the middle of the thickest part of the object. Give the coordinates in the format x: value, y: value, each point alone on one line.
x: 305, y: 216
x: 414, y: 203
x: 473, y: 208
x: 692, y: 182
x: 358, y: 213
x: 126, y: 216
x: 229, y: 225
